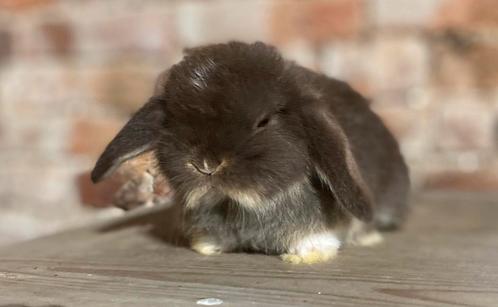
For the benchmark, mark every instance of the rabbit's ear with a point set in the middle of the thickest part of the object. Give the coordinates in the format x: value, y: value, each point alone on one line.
x: 139, y: 135
x: 334, y: 163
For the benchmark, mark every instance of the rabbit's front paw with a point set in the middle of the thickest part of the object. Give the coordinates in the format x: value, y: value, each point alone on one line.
x: 314, y: 248
x: 369, y: 239
x: 206, y: 246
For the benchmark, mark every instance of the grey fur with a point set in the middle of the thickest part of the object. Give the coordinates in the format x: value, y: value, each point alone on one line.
x: 299, y: 153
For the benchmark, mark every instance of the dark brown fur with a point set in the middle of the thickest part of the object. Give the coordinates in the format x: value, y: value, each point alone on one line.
x: 298, y: 152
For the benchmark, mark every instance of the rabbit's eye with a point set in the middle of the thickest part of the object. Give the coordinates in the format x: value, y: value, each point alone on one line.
x: 263, y: 123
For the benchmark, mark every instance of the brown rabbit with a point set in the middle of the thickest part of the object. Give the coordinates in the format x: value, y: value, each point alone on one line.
x: 267, y: 156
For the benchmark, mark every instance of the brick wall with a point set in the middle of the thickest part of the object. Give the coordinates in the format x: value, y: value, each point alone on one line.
x: 71, y: 72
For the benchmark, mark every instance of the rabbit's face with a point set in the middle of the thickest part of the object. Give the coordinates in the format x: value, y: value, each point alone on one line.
x: 234, y: 135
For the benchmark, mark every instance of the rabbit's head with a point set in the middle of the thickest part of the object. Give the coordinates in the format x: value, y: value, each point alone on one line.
x: 234, y: 119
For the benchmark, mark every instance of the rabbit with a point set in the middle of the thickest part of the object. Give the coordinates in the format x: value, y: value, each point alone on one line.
x: 267, y: 156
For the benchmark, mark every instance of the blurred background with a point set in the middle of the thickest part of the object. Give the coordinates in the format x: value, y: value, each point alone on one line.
x: 72, y: 72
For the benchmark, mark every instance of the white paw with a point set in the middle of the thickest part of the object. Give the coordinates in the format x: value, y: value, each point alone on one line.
x: 369, y: 239
x: 315, y: 248
x: 206, y: 247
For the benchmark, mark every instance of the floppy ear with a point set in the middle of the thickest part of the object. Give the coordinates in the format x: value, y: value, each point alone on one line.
x: 139, y: 135
x: 334, y: 164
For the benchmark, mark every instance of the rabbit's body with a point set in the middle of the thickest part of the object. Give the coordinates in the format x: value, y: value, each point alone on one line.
x: 267, y: 156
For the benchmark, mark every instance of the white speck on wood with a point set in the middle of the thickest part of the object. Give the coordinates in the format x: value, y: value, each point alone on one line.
x: 210, y: 301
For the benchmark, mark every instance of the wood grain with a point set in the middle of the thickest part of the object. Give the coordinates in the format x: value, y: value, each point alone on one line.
x: 446, y: 256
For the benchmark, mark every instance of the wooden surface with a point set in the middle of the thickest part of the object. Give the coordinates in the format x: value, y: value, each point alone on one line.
x: 447, y: 255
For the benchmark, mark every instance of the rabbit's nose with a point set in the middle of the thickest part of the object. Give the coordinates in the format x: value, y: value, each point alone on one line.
x: 206, y: 167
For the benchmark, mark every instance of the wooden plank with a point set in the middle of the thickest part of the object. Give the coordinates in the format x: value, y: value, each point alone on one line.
x: 446, y: 256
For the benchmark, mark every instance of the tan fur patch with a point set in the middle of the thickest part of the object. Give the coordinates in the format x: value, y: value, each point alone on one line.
x: 193, y: 196
x: 253, y: 199
x: 247, y: 198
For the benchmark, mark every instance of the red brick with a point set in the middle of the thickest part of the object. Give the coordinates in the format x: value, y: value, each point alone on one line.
x: 479, y: 181
x: 6, y: 41
x: 90, y: 136
x: 468, y: 14
x: 318, y: 20
x: 484, y: 63
x: 451, y: 68
x: 97, y: 195
x: 125, y: 83
x: 463, y: 60
x: 60, y: 37
x: 19, y: 5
